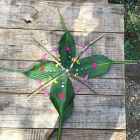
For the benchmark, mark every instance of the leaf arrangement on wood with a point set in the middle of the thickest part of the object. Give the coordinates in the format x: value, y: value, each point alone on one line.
x: 59, y: 72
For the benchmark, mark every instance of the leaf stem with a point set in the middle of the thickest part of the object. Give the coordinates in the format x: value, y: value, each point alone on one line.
x: 62, y: 20
x: 86, y: 49
x: 84, y: 83
x: 59, y: 129
x: 42, y: 87
x: 123, y: 62
x: 43, y: 49
x: 21, y: 71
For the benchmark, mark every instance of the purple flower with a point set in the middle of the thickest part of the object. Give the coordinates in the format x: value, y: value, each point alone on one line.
x: 86, y: 77
x: 80, y: 87
x: 78, y: 43
x: 45, y: 92
x: 43, y: 56
x: 53, y: 50
x: 39, y: 82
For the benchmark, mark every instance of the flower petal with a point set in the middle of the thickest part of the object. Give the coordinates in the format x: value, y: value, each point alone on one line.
x: 80, y: 87
x: 43, y: 56
x: 53, y: 50
x: 83, y: 47
x: 89, y: 53
x: 45, y: 92
x: 39, y: 82
x: 80, y: 44
x: 86, y: 77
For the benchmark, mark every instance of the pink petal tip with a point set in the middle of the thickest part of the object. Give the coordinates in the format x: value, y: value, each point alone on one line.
x: 89, y: 53
x: 86, y: 77
x: 80, y: 87
x: 78, y: 43
x: 53, y: 50
x: 39, y: 82
x: 45, y: 92
x: 43, y: 56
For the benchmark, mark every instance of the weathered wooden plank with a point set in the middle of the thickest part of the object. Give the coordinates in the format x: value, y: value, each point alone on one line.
x: 35, y: 1
x: 96, y: 112
x: 16, y: 44
x: 77, y: 16
x: 67, y: 134
x: 112, y: 83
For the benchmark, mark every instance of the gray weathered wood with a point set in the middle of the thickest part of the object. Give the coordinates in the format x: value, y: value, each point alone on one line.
x: 77, y: 16
x: 67, y: 134
x: 90, y: 111
x: 96, y: 112
x: 16, y: 44
x: 35, y: 1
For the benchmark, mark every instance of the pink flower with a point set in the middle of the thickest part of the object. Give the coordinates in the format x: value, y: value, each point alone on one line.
x: 68, y: 48
x: 94, y: 65
x: 80, y: 87
x: 86, y: 77
x: 45, y: 92
x: 53, y: 50
x: 43, y: 56
x: 62, y: 96
x: 78, y: 43
x: 42, y: 69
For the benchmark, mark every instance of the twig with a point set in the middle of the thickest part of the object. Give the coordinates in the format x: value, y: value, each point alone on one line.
x: 42, y: 87
x: 43, y: 49
x: 85, y: 49
x: 84, y: 83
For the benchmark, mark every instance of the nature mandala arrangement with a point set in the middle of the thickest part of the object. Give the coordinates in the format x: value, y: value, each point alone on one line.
x: 60, y: 72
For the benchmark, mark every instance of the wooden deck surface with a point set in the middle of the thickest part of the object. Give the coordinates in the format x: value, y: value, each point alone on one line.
x: 94, y: 117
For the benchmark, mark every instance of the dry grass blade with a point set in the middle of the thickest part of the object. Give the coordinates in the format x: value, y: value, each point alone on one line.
x: 85, y: 49
x: 47, y: 52
x: 42, y: 87
x: 84, y: 83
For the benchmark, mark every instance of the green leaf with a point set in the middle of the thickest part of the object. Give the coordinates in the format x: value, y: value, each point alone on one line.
x: 50, y: 71
x: 66, y: 41
x: 65, y: 105
x: 86, y: 66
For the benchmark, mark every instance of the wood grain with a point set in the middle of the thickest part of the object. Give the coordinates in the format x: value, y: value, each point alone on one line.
x: 67, y: 134
x: 16, y: 44
x: 96, y: 112
x: 94, y: 116
x: 35, y: 1
x: 77, y: 16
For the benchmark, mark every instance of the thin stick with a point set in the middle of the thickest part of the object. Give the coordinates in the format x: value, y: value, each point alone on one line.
x: 42, y: 87
x: 84, y: 83
x: 43, y: 49
x: 86, y: 48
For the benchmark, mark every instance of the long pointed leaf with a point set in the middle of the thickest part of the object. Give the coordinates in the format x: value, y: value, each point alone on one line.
x: 96, y: 66
x: 44, y: 71
x: 62, y: 95
x: 67, y: 48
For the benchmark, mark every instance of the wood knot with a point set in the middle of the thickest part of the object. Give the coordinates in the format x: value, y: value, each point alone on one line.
x: 28, y: 21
